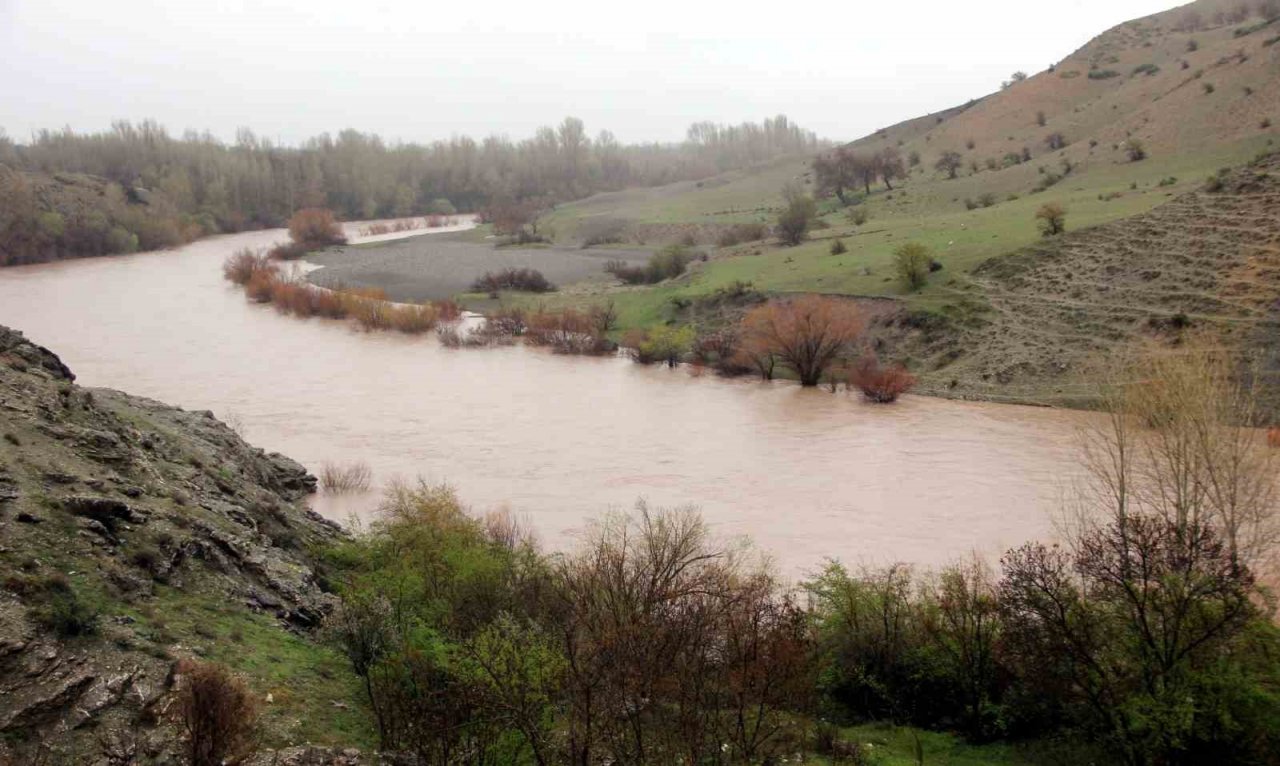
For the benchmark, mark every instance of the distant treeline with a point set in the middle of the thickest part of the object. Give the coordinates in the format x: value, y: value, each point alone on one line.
x: 150, y: 189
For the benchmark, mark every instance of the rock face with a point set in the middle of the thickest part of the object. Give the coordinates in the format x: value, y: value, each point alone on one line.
x: 106, y: 502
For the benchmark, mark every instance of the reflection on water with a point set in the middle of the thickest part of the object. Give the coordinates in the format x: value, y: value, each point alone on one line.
x: 804, y: 473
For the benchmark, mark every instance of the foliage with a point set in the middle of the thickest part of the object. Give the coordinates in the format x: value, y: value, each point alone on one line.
x: 805, y: 334
x: 911, y: 261
x: 667, y: 263
x: 798, y: 213
x: 218, y: 715
x: 661, y: 344
x: 1052, y: 219
x: 524, y: 279
x: 314, y: 228
x: 879, y: 383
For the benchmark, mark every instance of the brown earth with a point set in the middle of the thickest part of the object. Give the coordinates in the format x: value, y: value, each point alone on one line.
x: 1205, y: 261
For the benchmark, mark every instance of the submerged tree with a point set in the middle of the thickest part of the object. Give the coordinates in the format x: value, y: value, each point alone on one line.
x: 805, y: 334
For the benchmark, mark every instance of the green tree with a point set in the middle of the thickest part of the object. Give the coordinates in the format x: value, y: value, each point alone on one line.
x: 911, y: 262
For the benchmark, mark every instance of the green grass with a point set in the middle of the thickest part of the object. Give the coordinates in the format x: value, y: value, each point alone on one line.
x: 303, y: 678
x: 924, y: 208
x: 896, y: 746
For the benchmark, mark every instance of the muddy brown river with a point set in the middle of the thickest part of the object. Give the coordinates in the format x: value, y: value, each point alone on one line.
x: 805, y: 474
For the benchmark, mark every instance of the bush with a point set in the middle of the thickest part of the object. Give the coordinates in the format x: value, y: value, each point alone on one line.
x: 838, y: 247
x: 244, y: 264
x: 796, y: 217
x: 667, y: 263
x: 858, y: 215
x: 218, y: 715
x: 667, y: 345
x: 525, y: 280
x: 881, y: 384
x: 314, y: 228
x: 1146, y: 69
x: 62, y: 611
x: 346, y: 478
x: 441, y: 206
x: 1103, y: 74
x: 1052, y: 219
x: 911, y: 263
x: 1135, y: 150
x: 742, y: 232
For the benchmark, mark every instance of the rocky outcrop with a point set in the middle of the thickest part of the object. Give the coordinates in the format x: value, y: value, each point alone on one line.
x: 117, y: 513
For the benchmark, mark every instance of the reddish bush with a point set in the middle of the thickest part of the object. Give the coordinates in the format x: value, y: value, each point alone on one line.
x: 243, y: 264
x: 314, y: 227
x: 261, y: 286
x: 805, y: 334
x: 881, y: 384
x: 566, y: 332
x: 1273, y: 436
x: 218, y: 714
x: 448, y: 310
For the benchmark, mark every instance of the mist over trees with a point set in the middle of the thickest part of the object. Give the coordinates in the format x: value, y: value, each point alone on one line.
x: 196, y: 184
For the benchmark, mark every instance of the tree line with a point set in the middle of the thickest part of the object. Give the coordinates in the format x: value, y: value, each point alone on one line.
x: 160, y: 190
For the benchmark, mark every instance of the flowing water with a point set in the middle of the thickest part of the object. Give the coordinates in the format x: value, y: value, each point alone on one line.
x: 804, y: 473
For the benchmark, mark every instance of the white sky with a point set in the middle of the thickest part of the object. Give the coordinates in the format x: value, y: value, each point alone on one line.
x: 419, y: 70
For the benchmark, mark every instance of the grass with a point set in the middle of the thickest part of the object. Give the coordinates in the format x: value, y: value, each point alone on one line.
x: 925, y: 209
x: 304, y: 679
x: 896, y: 746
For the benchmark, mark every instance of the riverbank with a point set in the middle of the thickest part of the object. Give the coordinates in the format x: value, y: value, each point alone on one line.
x: 440, y: 266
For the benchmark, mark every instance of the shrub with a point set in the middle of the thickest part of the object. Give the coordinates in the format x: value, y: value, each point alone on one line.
x: 838, y: 247
x: 911, y: 263
x: 525, y: 280
x: 441, y: 206
x: 667, y: 345
x: 1055, y: 141
x: 858, y: 215
x: 1208, y: 88
x: 242, y: 265
x: 62, y: 610
x: 797, y: 216
x: 667, y: 263
x: 1052, y: 218
x: 1103, y: 74
x: 568, y: 331
x: 340, y: 479
x: 881, y: 384
x: 742, y: 232
x: 314, y: 228
x: 806, y: 334
x: 218, y: 715
x: 1273, y: 436
x: 1135, y: 150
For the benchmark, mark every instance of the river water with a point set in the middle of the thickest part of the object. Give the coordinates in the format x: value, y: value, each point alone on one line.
x: 804, y: 473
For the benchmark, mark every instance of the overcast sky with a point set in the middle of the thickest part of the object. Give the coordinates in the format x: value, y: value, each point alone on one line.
x: 417, y: 70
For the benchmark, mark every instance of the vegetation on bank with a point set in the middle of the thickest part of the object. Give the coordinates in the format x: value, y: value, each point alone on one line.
x: 1141, y: 637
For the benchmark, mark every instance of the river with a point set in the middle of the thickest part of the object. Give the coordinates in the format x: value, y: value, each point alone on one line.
x: 804, y: 473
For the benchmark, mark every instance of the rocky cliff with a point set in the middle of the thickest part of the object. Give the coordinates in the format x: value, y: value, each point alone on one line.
x: 133, y: 534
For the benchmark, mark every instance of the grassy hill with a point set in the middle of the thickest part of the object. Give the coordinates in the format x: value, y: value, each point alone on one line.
x: 1192, y: 85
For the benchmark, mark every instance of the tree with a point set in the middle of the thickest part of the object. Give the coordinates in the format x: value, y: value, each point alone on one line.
x: 218, y: 715
x: 805, y: 334
x: 1052, y: 219
x: 949, y: 163
x: 911, y: 261
x: 890, y: 166
x: 835, y: 173
x: 797, y: 215
x: 1150, y: 601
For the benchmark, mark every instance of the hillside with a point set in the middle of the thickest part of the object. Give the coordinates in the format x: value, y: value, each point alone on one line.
x: 1207, y: 260
x: 1193, y: 86
x: 136, y: 534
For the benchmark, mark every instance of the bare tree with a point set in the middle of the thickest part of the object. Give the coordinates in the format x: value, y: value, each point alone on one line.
x: 805, y: 334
